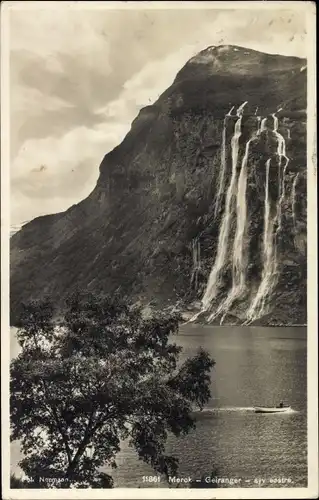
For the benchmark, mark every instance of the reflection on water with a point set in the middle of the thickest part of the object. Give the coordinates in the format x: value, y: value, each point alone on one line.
x: 254, y: 367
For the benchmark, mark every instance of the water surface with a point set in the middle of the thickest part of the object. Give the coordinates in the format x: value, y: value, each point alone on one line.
x: 255, y: 366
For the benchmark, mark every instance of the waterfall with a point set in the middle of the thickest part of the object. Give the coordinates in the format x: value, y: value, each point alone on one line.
x: 263, y: 126
x: 268, y: 278
x: 281, y: 143
x: 239, y: 262
x: 269, y: 273
x: 281, y: 152
x: 281, y: 199
x: 293, y: 200
x: 258, y: 125
x: 222, y: 171
x: 213, y: 280
x: 272, y: 224
x: 196, y: 262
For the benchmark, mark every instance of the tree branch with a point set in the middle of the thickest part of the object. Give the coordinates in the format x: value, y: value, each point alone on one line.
x: 87, y: 435
x: 54, y: 412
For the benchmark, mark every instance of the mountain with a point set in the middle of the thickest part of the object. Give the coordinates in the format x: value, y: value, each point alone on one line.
x: 202, y: 206
x: 14, y: 228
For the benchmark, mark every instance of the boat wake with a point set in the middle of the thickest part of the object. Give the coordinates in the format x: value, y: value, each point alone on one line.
x: 209, y: 411
x: 225, y: 409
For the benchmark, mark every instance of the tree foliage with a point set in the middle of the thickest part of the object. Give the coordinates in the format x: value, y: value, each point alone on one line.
x: 101, y: 374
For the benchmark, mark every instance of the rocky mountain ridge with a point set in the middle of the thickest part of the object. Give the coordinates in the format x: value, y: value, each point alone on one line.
x: 150, y: 228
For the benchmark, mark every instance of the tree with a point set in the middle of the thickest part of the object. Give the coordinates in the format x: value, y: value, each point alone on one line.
x: 101, y: 374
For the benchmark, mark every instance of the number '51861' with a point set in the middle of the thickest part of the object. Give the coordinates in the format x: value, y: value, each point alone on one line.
x: 151, y: 479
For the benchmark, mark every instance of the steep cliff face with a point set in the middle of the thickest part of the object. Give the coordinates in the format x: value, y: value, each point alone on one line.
x: 203, y: 204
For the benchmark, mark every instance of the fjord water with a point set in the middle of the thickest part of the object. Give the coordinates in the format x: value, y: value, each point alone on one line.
x: 254, y: 366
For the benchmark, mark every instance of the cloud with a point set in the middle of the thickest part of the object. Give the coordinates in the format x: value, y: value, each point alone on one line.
x: 79, y: 78
x: 62, y: 166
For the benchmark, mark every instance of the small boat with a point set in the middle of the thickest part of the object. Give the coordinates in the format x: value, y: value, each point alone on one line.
x: 272, y: 409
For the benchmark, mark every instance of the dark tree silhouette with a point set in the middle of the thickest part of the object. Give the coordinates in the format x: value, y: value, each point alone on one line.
x: 100, y: 374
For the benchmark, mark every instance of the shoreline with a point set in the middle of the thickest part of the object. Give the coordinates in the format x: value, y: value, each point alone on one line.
x: 294, y: 325
x: 244, y: 326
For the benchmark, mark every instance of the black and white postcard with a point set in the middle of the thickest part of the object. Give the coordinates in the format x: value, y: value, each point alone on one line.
x: 159, y: 247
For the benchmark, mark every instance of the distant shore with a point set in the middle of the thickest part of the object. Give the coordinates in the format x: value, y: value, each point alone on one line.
x: 187, y: 315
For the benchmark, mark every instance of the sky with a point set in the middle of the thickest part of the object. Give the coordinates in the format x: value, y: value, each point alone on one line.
x: 78, y: 78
